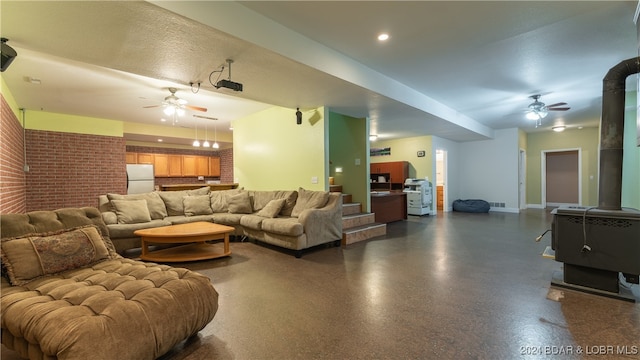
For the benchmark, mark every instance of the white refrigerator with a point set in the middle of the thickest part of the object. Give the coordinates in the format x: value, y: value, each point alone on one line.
x: 140, y: 178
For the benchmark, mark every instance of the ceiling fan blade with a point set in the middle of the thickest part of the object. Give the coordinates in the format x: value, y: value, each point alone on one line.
x: 556, y: 104
x: 559, y: 109
x: 151, y: 106
x: 196, y: 108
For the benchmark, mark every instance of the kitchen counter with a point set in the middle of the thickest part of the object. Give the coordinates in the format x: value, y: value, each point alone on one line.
x: 213, y: 187
x: 389, y: 206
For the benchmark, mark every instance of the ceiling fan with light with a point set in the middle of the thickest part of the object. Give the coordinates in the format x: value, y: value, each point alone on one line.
x: 173, y: 105
x: 538, y: 110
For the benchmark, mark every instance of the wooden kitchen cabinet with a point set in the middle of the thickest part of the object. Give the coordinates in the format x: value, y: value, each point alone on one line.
x: 188, y: 165
x: 202, y: 166
x: 175, y: 165
x: 145, y: 158
x: 131, y: 158
x: 161, y: 165
x: 214, y: 166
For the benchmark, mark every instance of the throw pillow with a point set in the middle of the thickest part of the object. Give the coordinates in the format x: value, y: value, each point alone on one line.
x: 197, y: 205
x: 173, y: 201
x: 131, y: 211
x: 240, y: 203
x: 157, y: 210
x: 272, y: 209
x: 31, y: 256
x: 309, y: 199
x: 220, y: 199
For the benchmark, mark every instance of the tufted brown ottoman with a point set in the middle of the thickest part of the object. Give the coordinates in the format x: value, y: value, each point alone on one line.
x: 101, y: 306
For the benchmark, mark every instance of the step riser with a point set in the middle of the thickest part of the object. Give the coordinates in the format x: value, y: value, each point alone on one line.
x: 346, y: 198
x: 364, y: 234
x: 364, y: 219
x: 350, y: 209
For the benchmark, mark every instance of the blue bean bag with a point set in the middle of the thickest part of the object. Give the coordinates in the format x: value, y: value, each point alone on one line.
x: 471, y: 206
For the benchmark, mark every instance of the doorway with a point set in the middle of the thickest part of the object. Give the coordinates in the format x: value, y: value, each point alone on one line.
x: 561, y: 177
x: 441, y: 180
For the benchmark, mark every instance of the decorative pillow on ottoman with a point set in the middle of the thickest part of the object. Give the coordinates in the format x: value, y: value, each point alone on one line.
x: 32, y: 256
x: 308, y: 199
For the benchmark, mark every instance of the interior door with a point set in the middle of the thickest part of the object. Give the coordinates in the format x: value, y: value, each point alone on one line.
x: 562, y: 178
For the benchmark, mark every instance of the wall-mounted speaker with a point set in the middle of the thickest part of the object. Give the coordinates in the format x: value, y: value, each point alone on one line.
x: 298, y: 116
x: 7, y: 54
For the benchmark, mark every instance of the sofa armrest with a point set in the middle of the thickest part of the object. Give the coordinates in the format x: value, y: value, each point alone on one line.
x: 325, y: 224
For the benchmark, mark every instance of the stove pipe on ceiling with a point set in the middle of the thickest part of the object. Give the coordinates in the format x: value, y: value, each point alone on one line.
x: 612, y: 133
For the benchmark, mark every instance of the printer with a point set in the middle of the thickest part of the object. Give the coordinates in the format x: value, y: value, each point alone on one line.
x: 419, y: 196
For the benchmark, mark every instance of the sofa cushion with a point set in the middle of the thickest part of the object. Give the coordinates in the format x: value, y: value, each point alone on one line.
x: 252, y: 221
x: 197, y: 205
x: 283, y: 226
x: 220, y: 199
x: 272, y: 209
x: 205, y: 190
x: 173, y: 201
x: 157, y: 209
x: 29, y: 257
x: 131, y: 211
x: 240, y: 203
x: 309, y: 199
x: 123, y: 231
x: 261, y: 198
x: 227, y: 218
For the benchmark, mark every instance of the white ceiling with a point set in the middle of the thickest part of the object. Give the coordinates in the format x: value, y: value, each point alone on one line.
x: 454, y: 69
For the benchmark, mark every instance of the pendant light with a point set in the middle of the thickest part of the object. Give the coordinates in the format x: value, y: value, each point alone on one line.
x: 206, y: 137
x: 196, y: 143
x: 215, y: 137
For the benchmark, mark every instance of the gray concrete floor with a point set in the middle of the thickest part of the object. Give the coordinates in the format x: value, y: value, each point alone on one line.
x: 452, y: 286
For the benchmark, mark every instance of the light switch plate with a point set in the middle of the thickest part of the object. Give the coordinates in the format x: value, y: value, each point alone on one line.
x: 314, y: 179
x: 357, y: 161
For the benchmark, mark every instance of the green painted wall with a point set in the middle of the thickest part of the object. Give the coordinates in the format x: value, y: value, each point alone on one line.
x: 406, y: 149
x: 42, y: 120
x: 8, y: 97
x: 587, y: 139
x: 348, y: 150
x: 272, y: 152
x: 631, y: 155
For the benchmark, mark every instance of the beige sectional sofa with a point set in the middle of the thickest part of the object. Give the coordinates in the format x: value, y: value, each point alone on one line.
x: 290, y: 219
x: 66, y: 293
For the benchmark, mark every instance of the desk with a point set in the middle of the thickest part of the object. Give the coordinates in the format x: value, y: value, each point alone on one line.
x: 389, y: 206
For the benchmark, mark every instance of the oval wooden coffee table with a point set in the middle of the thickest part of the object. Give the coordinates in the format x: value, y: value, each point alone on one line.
x: 194, y: 235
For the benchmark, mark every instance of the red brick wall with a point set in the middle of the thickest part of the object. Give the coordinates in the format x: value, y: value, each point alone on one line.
x: 12, y: 176
x: 226, y: 163
x: 71, y: 170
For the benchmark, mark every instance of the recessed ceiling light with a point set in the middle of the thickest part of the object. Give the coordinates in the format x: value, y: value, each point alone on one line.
x: 383, y: 37
x: 558, y: 128
x: 159, y: 140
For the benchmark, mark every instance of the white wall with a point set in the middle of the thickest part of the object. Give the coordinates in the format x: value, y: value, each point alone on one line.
x: 453, y: 168
x: 489, y: 169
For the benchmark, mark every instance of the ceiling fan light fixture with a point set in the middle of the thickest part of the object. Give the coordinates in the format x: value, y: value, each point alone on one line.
x: 169, y: 110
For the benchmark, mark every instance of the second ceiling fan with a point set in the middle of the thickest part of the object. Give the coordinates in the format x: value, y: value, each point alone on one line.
x: 174, y: 105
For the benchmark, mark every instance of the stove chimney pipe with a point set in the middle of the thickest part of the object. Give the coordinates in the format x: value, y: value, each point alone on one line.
x: 612, y: 133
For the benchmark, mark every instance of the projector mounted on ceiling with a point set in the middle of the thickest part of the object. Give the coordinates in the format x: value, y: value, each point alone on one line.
x: 228, y: 84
